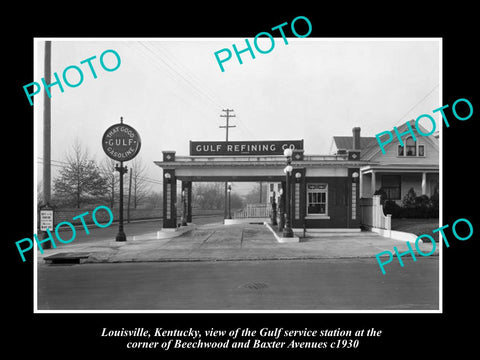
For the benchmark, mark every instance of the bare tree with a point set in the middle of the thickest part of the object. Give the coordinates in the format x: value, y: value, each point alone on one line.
x: 39, y: 192
x: 80, y: 180
x: 256, y: 194
x: 154, y: 199
x: 208, y: 196
x: 107, y: 169
x: 139, y: 184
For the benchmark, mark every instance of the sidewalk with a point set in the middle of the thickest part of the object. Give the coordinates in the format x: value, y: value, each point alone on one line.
x: 218, y: 242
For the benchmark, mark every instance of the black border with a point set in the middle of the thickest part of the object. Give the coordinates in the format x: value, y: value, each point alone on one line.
x: 55, y: 335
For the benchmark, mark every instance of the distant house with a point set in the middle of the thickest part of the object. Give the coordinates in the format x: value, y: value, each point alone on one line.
x: 414, y: 165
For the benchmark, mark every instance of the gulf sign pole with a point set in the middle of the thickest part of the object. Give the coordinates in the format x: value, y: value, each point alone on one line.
x: 121, y: 143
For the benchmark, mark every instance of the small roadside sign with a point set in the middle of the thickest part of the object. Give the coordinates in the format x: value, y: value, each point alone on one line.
x: 46, y: 218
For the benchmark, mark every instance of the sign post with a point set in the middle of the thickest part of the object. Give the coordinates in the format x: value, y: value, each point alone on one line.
x: 121, y: 142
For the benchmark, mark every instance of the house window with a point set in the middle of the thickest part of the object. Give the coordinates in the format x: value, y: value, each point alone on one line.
x: 411, y: 146
x: 421, y: 150
x: 391, y: 186
x: 317, y: 199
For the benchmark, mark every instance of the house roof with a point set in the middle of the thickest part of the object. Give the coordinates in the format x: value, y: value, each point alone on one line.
x: 369, y: 144
x: 346, y: 142
x: 372, y: 150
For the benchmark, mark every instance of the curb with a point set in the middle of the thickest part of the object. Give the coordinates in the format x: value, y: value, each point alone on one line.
x: 396, y: 235
x: 85, y: 259
x: 294, y: 239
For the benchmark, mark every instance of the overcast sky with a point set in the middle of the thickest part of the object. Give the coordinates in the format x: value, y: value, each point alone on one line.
x: 172, y: 91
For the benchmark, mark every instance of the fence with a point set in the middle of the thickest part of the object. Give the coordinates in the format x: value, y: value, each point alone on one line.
x: 254, y: 211
x: 372, y: 213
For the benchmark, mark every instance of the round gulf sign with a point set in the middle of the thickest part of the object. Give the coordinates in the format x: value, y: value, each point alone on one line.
x: 121, y: 142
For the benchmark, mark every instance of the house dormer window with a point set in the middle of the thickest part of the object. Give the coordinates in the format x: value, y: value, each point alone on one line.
x: 421, y: 150
x: 411, y: 148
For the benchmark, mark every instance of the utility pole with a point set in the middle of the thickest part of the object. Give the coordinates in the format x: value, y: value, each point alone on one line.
x: 47, y: 139
x: 47, y: 129
x: 226, y: 127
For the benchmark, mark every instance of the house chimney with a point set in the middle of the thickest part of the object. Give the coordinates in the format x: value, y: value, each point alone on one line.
x: 356, y: 138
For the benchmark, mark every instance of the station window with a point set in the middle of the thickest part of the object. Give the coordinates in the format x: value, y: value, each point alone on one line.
x: 317, y: 199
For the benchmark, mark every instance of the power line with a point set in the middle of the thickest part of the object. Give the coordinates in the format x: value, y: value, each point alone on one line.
x: 189, y: 74
x: 204, y: 88
x: 200, y: 84
x: 245, y: 129
x: 418, y: 103
x: 188, y: 77
x: 148, y: 54
x: 63, y: 164
x: 192, y: 85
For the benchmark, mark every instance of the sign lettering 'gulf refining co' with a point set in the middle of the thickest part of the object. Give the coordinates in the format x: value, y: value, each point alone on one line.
x: 121, y: 142
x: 238, y: 148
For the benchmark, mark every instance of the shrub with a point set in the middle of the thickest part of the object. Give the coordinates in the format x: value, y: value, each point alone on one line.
x: 409, y: 198
x: 383, y: 195
x: 392, y: 208
x: 421, y: 201
x: 421, y: 206
x: 413, y: 206
x: 434, y: 201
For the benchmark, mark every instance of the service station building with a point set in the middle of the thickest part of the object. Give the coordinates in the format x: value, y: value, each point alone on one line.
x: 323, y: 193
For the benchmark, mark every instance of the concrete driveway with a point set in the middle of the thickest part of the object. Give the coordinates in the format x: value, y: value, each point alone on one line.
x: 216, y: 242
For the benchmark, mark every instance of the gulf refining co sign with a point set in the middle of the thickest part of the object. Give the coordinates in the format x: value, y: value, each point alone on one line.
x: 238, y: 148
x: 121, y: 142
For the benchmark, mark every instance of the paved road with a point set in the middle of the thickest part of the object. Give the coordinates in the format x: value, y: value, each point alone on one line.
x: 321, y: 284
x: 328, y: 273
